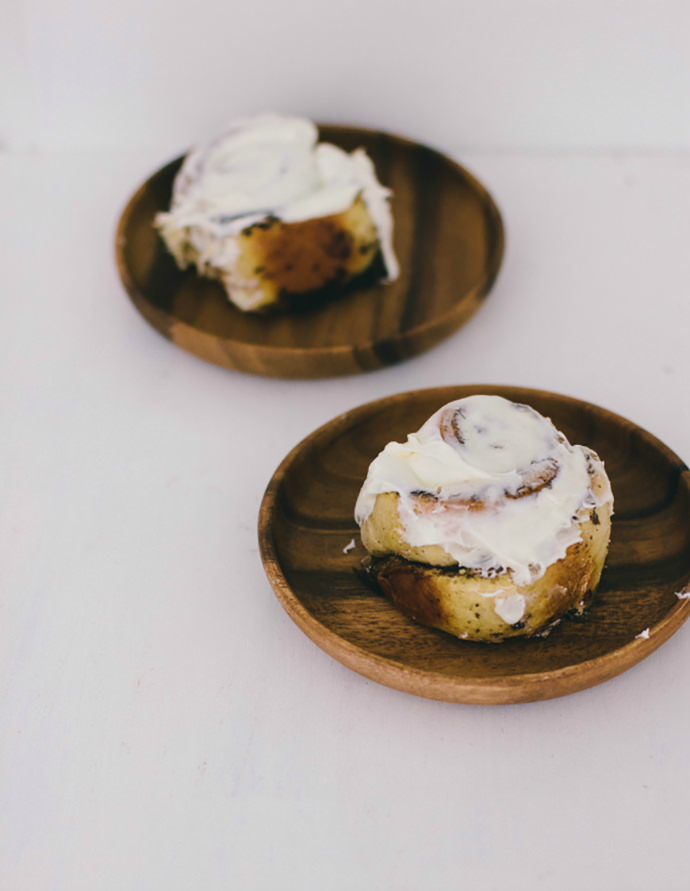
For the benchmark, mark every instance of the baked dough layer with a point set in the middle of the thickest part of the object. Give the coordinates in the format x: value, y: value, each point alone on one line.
x: 428, y: 585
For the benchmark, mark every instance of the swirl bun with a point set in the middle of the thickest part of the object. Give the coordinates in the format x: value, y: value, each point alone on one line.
x: 272, y: 214
x: 486, y: 523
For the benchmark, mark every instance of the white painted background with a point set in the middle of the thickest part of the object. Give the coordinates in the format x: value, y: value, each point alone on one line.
x: 472, y: 73
x: 163, y: 723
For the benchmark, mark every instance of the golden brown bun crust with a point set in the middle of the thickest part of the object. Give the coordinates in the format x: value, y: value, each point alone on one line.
x: 462, y: 602
x: 382, y: 534
x: 296, y: 258
x: 276, y: 263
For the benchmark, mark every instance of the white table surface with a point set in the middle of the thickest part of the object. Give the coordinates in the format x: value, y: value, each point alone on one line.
x: 164, y: 723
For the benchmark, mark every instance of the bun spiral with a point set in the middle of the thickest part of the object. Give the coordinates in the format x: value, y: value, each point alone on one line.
x: 486, y: 523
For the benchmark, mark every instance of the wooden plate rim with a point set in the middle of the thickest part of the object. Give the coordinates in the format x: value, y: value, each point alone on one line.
x: 427, y: 683
x: 480, y: 290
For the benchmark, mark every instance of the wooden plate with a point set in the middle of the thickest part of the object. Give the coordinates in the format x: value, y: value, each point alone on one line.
x: 306, y: 522
x: 448, y: 237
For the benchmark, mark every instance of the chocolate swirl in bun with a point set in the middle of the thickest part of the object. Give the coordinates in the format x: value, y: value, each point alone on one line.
x: 273, y: 214
x: 486, y: 523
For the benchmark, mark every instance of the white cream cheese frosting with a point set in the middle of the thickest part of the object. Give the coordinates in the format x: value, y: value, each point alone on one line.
x: 271, y: 166
x: 491, y: 482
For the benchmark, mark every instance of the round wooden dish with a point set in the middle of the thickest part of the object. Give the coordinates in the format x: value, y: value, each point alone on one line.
x: 306, y: 521
x: 448, y: 238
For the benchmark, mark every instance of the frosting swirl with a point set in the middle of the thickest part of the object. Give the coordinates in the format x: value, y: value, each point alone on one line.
x: 271, y: 166
x: 492, y: 484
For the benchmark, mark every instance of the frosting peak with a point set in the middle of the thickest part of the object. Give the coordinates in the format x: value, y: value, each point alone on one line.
x: 491, y: 482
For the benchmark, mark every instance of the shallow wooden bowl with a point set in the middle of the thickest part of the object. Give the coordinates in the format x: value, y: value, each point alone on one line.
x: 306, y: 522
x: 448, y: 237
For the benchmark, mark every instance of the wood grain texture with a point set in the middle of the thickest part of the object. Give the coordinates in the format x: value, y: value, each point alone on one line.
x: 448, y: 237
x: 306, y: 522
